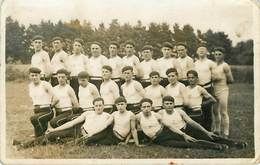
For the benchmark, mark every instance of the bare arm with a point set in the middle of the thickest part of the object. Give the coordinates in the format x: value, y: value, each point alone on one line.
x: 140, y: 89
x: 228, y: 74
x: 49, y: 90
x: 73, y: 98
x: 184, y: 95
x: 95, y: 92
x: 205, y: 94
x: 69, y: 124
x: 133, y: 129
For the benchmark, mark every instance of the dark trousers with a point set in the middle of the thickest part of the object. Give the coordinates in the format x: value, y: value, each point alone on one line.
x: 207, y: 112
x: 135, y: 108
x: 164, y: 82
x: 200, y: 135
x: 54, y: 81
x: 171, y: 139
x: 75, y: 85
x: 61, y: 118
x: 105, y: 137
x: 195, y: 115
x: 40, y: 120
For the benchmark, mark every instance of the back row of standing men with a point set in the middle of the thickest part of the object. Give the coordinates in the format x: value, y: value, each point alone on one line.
x: 100, y: 71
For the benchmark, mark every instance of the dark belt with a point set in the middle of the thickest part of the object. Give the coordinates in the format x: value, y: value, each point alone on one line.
x: 208, y: 83
x: 88, y: 109
x: 134, y: 105
x: 178, y: 106
x: 118, y: 135
x: 116, y: 79
x: 145, y: 80
x: 38, y: 110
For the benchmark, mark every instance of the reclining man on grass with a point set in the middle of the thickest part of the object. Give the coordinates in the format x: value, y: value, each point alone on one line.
x: 174, y: 128
x: 96, y: 127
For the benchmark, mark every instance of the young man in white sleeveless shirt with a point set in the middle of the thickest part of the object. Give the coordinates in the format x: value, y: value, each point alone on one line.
x: 186, y: 62
x: 41, y: 58
x: 67, y: 100
x: 190, y: 131
x: 204, y: 68
x: 96, y: 62
x: 152, y: 127
x: 147, y: 65
x: 155, y: 91
x: 130, y: 59
x: 43, y: 100
x: 195, y: 103
x: 167, y: 62
x: 77, y: 62
x: 221, y: 77
x: 109, y: 90
x: 132, y: 90
x: 87, y: 92
x: 59, y: 59
x: 176, y: 89
x: 115, y: 62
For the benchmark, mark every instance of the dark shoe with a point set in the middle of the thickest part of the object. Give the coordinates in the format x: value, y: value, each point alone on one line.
x: 241, y: 144
x: 16, y: 142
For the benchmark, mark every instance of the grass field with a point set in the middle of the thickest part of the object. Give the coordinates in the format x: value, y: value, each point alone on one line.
x: 18, y: 112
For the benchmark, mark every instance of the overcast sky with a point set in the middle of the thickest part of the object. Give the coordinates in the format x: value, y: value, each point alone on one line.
x: 234, y: 17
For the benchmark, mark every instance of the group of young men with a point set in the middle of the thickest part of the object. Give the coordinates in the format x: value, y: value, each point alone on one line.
x: 168, y: 101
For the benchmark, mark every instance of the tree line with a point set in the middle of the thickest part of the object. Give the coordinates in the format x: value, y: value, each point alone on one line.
x: 19, y: 49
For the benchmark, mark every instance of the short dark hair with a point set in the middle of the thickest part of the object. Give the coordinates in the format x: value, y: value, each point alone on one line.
x: 146, y: 100
x: 167, y: 98
x: 83, y: 74
x: 181, y: 44
x: 147, y: 47
x: 114, y: 43
x: 79, y: 40
x: 202, y: 45
x: 193, y: 72
x: 127, y: 68
x: 34, y: 70
x: 170, y: 70
x: 120, y: 99
x: 97, y: 43
x: 62, y: 71
x: 154, y: 73
x: 221, y: 49
x: 130, y: 42
x: 57, y: 38
x: 98, y: 99
x: 167, y: 44
x: 107, y: 67
x: 38, y: 37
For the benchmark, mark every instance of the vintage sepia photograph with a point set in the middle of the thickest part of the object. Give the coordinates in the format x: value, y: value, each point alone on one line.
x: 130, y: 82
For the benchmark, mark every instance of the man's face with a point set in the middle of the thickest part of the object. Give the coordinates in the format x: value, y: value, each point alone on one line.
x: 155, y: 79
x: 37, y: 45
x: 62, y: 78
x: 166, y: 51
x: 172, y: 77
x: 57, y: 45
x: 99, y: 107
x: 168, y: 106
x: 182, y: 51
x: 112, y: 50
x: 219, y: 56
x: 129, y: 49
x: 106, y: 74
x: 147, y: 54
x: 77, y: 47
x: 128, y: 74
x: 121, y: 107
x: 95, y: 50
x: 83, y: 81
x: 202, y: 51
x: 146, y: 108
x: 192, y: 79
x: 35, y: 77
